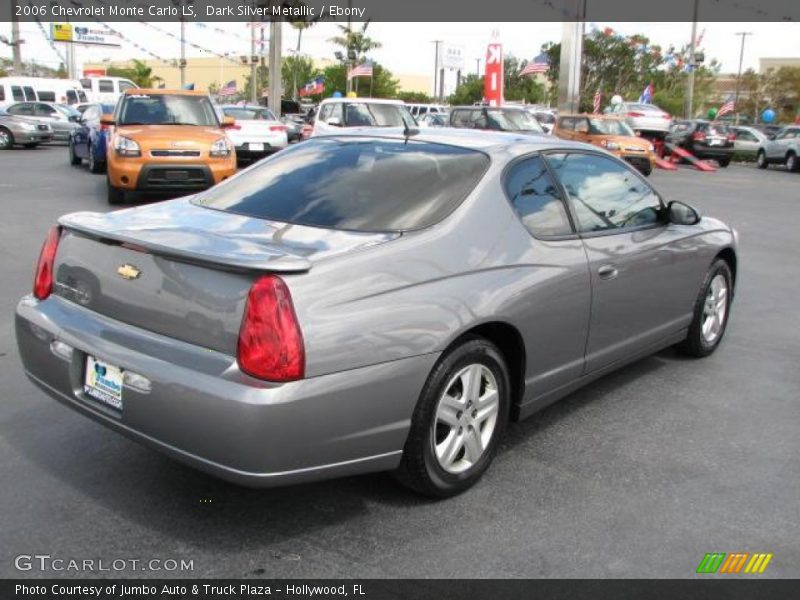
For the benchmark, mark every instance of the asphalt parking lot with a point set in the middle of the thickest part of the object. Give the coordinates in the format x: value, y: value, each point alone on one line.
x: 638, y: 475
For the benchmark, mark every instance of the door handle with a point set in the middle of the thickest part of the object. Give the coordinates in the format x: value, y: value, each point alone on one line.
x: 607, y: 272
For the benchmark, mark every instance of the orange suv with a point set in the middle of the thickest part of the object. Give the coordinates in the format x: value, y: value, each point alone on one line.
x: 166, y: 140
x: 610, y: 133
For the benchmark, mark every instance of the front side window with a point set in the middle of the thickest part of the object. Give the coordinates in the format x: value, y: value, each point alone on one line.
x: 536, y: 199
x: 462, y: 118
x: 605, y: 194
x: 45, y: 110
x: 105, y: 85
x: 25, y: 108
x: 167, y: 109
x: 126, y: 85
x: 567, y: 123
x: 353, y: 183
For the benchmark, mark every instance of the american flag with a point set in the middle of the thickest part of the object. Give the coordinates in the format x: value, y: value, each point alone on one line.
x: 229, y: 89
x: 539, y: 64
x: 598, y: 97
x: 727, y: 107
x: 362, y: 70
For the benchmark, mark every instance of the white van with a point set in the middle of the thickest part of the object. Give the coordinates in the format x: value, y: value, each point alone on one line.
x: 423, y: 109
x: 105, y: 89
x: 42, y: 89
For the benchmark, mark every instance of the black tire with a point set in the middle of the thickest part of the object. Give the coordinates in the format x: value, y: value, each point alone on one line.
x: 724, y: 162
x: 420, y: 469
x: 696, y: 343
x: 32, y: 145
x: 6, y: 139
x: 94, y: 166
x: 115, y: 195
x: 646, y: 171
x: 761, y: 160
x: 73, y: 159
x: 792, y: 164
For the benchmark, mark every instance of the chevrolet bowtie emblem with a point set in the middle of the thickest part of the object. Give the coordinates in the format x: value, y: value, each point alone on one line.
x: 128, y: 272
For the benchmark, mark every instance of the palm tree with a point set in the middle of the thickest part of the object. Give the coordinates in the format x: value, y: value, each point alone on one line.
x: 356, y: 43
x: 300, y: 26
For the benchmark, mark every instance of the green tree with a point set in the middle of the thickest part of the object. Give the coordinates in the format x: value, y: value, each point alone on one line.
x: 384, y: 85
x: 296, y: 71
x: 138, y: 72
x: 415, y: 97
x: 516, y: 87
x: 355, y: 43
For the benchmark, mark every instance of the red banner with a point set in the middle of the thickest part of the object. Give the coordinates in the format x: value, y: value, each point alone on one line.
x: 493, y: 81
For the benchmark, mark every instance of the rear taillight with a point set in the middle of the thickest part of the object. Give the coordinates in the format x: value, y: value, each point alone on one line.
x: 731, y: 137
x: 270, y: 341
x: 698, y: 136
x: 234, y: 126
x: 278, y: 128
x: 635, y: 114
x: 43, y: 280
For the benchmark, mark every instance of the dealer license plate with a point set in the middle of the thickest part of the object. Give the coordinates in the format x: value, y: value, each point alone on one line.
x: 103, y: 382
x: 256, y: 147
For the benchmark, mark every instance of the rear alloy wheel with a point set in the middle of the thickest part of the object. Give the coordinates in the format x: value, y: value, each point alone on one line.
x: 74, y: 160
x: 761, y: 160
x: 6, y: 139
x: 792, y: 164
x: 458, y: 422
x: 711, y: 311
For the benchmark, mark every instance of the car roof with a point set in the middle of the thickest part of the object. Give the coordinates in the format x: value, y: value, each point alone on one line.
x: 161, y: 92
x: 489, y: 142
x: 363, y: 100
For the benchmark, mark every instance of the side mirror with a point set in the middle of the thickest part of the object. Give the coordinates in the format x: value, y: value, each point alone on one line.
x: 227, y: 122
x: 107, y: 120
x: 334, y: 121
x: 682, y: 214
x: 74, y: 119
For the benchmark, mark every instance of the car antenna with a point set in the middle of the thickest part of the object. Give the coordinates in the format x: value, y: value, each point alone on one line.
x: 408, y: 131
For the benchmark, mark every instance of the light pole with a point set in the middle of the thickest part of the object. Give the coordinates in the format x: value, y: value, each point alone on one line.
x: 688, y: 109
x: 436, y: 68
x: 744, y: 35
x: 478, y: 67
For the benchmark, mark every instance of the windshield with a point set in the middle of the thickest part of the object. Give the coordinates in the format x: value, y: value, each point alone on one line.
x: 166, y: 109
x: 249, y: 114
x: 355, y: 183
x: 513, y: 120
x: 68, y: 110
x: 362, y: 114
x: 609, y: 127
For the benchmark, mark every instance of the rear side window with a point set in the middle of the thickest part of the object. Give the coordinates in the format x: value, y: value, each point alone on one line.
x: 125, y: 85
x: 2, y: 93
x: 462, y: 118
x: 105, y: 85
x: 29, y: 93
x: 536, y: 199
x: 86, y: 83
x: 355, y: 184
x: 47, y: 96
x: 16, y: 91
x: 72, y: 97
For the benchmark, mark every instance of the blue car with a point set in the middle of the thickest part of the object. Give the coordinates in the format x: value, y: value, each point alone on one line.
x: 89, y: 140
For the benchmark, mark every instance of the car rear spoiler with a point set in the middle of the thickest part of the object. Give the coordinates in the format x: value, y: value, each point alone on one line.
x: 192, y: 245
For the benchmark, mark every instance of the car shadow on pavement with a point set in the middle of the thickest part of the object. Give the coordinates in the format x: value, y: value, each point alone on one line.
x: 157, y: 493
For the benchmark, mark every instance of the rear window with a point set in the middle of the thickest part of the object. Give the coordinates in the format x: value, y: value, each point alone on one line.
x: 355, y: 184
x: 362, y: 114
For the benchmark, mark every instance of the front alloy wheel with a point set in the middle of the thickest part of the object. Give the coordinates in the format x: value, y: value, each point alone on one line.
x: 711, y: 311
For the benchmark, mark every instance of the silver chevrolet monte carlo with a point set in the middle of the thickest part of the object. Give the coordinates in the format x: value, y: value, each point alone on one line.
x: 376, y: 300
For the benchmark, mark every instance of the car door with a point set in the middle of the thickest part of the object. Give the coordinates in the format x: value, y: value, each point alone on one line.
x: 566, y: 128
x: 80, y: 137
x: 645, y: 272
x: 776, y: 149
x: 553, y: 314
x: 582, y: 130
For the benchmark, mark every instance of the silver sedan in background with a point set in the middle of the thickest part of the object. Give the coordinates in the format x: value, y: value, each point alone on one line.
x: 373, y: 300
x: 16, y: 130
x: 61, y: 118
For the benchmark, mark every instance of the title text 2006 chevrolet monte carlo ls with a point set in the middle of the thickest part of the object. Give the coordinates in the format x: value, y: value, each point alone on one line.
x: 370, y: 301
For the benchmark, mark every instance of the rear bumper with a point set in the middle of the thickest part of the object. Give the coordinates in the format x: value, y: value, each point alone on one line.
x: 203, y: 411
x: 712, y: 152
x: 642, y: 162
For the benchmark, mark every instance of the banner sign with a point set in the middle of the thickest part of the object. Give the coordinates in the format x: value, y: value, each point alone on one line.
x: 493, y: 83
x: 80, y: 34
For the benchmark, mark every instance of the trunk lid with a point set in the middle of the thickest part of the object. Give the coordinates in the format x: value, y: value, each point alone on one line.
x: 182, y: 270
